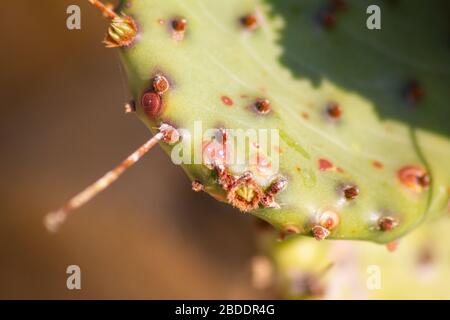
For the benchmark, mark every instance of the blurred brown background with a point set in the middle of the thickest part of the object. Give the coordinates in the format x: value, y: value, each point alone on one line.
x: 62, y: 126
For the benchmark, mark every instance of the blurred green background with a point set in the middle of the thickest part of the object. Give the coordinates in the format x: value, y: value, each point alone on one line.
x: 63, y: 126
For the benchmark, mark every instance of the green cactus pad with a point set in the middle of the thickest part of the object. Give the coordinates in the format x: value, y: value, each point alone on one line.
x: 416, y: 269
x: 361, y: 114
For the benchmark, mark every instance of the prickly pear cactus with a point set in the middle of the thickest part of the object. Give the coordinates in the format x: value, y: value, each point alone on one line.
x: 361, y: 114
x: 361, y: 270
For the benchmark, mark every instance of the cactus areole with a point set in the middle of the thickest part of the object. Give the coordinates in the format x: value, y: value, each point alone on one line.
x: 351, y: 145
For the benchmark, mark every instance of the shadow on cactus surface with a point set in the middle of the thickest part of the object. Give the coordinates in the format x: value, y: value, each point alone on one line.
x: 412, y: 46
x: 361, y: 113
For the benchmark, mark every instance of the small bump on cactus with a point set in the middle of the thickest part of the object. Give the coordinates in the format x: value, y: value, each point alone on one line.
x: 414, y: 178
x: 179, y: 24
x: 160, y: 84
x: 250, y: 21
x: 334, y: 111
x: 320, y: 232
x: 151, y: 104
x: 262, y: 106
x: 350, y: 192
x: 387, y: 223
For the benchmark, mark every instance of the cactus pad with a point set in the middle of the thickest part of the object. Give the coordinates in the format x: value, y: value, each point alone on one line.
x: 361, y: 114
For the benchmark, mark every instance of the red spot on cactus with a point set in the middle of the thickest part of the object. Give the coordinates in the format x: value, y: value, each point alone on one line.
x: 387, y: 223
x: 413, y: 91
x: 377, y: 164
x: 350, y: 192
x: 414, y: 178
x: 329, y: 219
x: 327, y: 15
x: 178, y: 28
x: 227, y: 101
x: 327, y: 18
x: 262, y: 106
x: 151, y: 104
x: 250, y: 22
x: 324, y: 165
x: 179, y: 24
x: 334, y: 111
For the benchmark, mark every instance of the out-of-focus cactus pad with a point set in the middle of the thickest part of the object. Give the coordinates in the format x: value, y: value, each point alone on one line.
x: 418, y: 269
